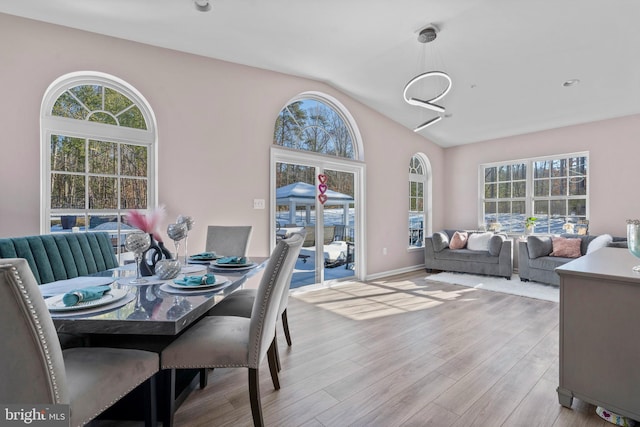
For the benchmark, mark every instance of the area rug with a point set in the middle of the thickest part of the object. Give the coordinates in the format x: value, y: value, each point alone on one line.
x: 499, y: 284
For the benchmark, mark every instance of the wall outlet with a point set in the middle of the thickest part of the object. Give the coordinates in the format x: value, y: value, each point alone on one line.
x: 258, y: 203
x: 384, y: 251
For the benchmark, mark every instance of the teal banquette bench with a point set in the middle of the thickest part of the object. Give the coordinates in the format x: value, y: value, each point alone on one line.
x: 62, y: 256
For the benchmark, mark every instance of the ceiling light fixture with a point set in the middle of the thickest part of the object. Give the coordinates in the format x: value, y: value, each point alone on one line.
x: 427, y: 35
x: 202, y: 5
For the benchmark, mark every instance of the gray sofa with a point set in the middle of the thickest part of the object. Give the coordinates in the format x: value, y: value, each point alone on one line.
x: 496, y: 261
x: 536, y: 264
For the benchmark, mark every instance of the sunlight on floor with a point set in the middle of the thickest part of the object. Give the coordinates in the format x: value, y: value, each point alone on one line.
x: 381, y: 298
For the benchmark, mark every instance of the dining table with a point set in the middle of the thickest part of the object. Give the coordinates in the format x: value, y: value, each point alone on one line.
x: 147, y: 316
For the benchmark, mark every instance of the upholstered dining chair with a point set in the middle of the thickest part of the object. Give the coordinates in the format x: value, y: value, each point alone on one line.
x: 240, y: 302
x: 228, y: 240
x: 35, y: 370
x: 233, y: 342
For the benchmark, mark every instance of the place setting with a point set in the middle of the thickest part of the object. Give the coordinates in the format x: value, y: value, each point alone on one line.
x: 88, y: 300
x: 231, y: 264
x: 187, y: 285
x: 203, y: 258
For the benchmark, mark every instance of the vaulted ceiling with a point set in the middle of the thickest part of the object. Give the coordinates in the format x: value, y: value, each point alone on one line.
x: 508, y: 59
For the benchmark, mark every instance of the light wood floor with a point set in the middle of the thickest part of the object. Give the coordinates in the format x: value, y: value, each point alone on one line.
x: 404, y: 352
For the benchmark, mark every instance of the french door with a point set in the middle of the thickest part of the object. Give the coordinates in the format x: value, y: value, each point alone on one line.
x: 323, y: 197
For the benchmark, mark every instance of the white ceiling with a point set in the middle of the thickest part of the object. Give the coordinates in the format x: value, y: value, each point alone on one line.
x: 507, y: 58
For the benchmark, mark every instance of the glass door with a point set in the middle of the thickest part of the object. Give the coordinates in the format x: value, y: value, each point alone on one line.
x: 321, y: 201
x: 295, y: 210
x: 338, y: 207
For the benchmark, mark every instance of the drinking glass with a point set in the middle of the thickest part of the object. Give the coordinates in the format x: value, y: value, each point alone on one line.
x: 188, y: 221
x: 633, y: 239
x: 137, y: 243
x: 177, y: 232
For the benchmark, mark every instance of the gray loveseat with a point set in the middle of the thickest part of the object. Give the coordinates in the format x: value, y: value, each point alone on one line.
x: 496, y: 261
x: 535, y: 262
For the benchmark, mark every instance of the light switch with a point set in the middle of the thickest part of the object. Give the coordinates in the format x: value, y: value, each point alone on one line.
x: 258, y: 203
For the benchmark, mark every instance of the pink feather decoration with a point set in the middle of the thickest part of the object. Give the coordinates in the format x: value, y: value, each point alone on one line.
x: 148, y: 223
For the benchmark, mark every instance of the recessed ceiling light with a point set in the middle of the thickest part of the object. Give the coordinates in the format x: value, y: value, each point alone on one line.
x: 571, y: 82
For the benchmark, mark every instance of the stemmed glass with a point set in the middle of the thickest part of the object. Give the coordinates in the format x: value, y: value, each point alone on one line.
x: 188, y: 221
x: 177, y: 232
x: 633, y: 239
x: 137, y: 243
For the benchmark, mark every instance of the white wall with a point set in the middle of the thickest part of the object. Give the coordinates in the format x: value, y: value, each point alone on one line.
x: 215, y: 125
x: 614, y: 159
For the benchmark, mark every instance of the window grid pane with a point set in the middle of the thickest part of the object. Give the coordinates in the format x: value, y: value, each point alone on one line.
x: 504, y: 197
x: 313, y: 125
x: 417, y: 179
x: 558, y: 193
x: 93, y: 181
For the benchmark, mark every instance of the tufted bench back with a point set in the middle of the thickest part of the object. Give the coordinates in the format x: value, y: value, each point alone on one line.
x: 62, y: 256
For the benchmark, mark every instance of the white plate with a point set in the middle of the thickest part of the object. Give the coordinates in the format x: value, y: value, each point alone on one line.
x: 199, y: 287
x: 232, y: 265
x: 55, y: 303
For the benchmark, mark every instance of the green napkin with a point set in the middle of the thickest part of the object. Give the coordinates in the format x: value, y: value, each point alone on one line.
x: 204, y: 255
x: 232, y: 260
x: 207, y: 279
x: 85, y: 294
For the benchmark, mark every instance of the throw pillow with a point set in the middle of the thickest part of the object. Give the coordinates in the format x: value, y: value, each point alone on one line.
x: 566, y: 248
x: 539, y: 246
x: 440, y: 241
x: 479, y: 241
x: 495, y: 244
x: 459, y: 240
x: 599, y: 242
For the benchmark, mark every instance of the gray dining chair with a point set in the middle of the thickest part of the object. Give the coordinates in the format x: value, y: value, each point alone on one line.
x: 235, y: 342
x: 228, y: 240
x: 35, y: 370
x: 240, y: 302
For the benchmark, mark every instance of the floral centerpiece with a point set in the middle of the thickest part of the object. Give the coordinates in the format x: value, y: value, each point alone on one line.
x: 149, y: 222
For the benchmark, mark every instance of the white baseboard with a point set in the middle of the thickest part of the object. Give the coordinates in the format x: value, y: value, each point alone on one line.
x: 394, y: 272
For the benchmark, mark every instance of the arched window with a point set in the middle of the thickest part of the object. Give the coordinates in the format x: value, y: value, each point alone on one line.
x: 419, y: 200
x: 317, y: 181
x: 98, y: 154
x: 312, y: 123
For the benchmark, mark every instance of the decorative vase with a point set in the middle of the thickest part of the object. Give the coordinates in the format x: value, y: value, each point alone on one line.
x: 151, y: 256
x: 168, y: 268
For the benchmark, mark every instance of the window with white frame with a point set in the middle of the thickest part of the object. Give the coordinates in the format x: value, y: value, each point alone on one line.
x: 313, y: 124
x: 553, y: 190
x: 98, y: 136
x: 417, y: 193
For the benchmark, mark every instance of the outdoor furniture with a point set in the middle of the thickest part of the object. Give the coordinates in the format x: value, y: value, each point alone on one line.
x: 230, y: 341
x: 35, y: 370
x: 228, y: 240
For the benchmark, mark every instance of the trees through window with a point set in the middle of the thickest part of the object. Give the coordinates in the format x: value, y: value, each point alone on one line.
x: 99, y: 140
x: 552, y: 189
x: 417, y: 200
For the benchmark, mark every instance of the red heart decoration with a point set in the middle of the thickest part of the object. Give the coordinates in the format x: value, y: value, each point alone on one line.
x: 322, y: 188
x: 323, y: 198
x: 322, y: 178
